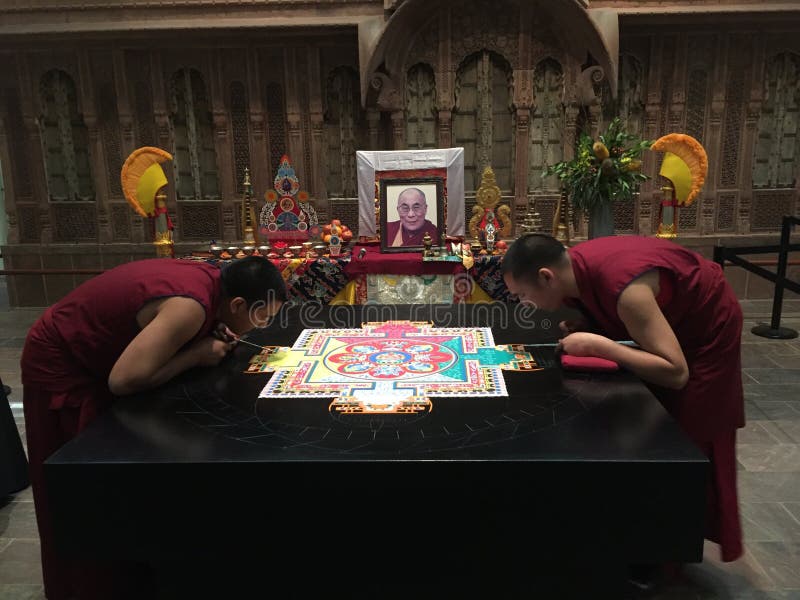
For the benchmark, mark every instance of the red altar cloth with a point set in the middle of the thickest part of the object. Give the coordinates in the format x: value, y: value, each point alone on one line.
x: 400, y: 263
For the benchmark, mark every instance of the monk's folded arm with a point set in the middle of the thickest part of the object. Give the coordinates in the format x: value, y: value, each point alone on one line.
x: 660, y: 360
x: 156, y: 355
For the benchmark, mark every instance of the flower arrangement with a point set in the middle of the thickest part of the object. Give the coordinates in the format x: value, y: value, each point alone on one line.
x: 604, y: 170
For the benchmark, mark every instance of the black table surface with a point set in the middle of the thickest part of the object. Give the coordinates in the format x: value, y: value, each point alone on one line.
x: 595, y: 457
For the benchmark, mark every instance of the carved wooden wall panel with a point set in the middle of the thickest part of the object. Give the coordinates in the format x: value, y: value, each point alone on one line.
x: 108, y: 121
x: 276, y: 124
x: 28, y: 224
x: 547, y: 124
x: 734, y: 114
x: 240, y: 133
x: 199, y: 220
x: 726, y: 204
x: 625, y: 216
x: 18, y: 146
x: 631, y: 93
x: 74, y: 221
x: 121, y: 215
x: 137, y: 65
x: 769, y: 208
x: 777, y: 150
x: 66, y: 139
x: 420, y: 103
x: 344, y: 131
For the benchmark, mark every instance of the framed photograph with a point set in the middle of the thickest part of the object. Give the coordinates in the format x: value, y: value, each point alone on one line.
x: 410, y: 209
x: 376, y: 165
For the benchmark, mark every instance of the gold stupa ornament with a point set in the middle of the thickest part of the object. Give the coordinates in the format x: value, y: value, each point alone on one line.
x: 487, y: 216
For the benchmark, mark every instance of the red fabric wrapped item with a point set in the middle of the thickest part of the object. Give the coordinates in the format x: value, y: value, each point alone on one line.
x: 588, y: 364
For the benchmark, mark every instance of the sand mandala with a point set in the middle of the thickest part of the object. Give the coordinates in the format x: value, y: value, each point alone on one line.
x: 390, y: 367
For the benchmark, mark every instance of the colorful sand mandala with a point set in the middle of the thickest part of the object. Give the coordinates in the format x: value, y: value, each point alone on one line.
x: 391, y: 367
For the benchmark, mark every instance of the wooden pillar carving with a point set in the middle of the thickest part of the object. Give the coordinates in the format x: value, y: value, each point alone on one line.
x: 259, y: 150
x: 164, y: 140
x: 445, y: 78
x: 96, y: 149
x: 713, y: 142
x: 756, y: 60
x: 294, y: 117
x: 123, y: 101
x: 677, y: 106
x: 8, y: 179
x: 650, y: 195
x: 373, y: 128
x: 398, y: 129
x: 30, y: 104
x: 316, y: 184
x: 445, y: 123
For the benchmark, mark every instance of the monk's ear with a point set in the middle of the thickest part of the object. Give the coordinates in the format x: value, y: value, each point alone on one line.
x: 546, y: 276
x: 238, y: 304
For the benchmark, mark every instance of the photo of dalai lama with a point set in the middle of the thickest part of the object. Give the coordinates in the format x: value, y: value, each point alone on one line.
x: 413, y: 224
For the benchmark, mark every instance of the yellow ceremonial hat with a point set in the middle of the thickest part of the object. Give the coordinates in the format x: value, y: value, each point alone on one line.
x: 685, y: 164
x: 142, y: 177
x: 677, y: 171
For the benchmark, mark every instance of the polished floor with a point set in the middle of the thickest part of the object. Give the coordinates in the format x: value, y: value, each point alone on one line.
x: 769, y: 476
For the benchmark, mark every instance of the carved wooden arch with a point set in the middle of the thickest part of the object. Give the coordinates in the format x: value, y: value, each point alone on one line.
x: 417, y: 65
x: 39, y: 82
x: 386, y: 48
x: 499, y: 59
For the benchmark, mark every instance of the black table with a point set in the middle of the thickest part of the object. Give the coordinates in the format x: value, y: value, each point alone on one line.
x: 563, y: 476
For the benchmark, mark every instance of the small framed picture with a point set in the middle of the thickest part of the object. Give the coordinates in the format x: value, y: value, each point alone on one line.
x: 410, y: 209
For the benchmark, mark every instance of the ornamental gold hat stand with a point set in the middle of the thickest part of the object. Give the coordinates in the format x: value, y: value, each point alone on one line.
x: 685, y: 166
x: 143, y: 183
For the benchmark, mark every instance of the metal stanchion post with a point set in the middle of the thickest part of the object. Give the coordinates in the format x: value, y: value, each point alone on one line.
x: 774, y: 330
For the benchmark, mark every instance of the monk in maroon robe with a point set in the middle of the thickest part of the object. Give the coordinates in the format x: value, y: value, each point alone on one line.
x: 410, y: 230
x: 687, y: 321
x: 127, y: 330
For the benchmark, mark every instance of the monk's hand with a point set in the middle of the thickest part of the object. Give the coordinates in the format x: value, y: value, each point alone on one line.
x: 221, y: 332
x: 585, y: 344
x: 568, y: 327
x: 209, y: 351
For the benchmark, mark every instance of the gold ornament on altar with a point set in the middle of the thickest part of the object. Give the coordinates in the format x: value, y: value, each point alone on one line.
x: 143, y: 183
x: 249, y: 235
x: 486, y: 212
x: 685, y: 165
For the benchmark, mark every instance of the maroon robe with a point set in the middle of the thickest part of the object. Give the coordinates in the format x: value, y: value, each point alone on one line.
x: 705, y: 315
x: 411, y: 238
x: 66, y: 361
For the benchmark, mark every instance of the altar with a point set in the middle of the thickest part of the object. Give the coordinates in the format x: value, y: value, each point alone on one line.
x: 386, y: 278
